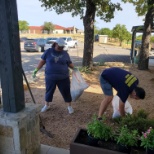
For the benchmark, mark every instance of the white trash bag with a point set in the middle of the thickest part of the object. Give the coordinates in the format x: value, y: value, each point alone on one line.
x: 78, y: 85
x: 115, y: 104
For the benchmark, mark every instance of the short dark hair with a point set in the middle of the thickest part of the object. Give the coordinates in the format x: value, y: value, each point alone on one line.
x: 53, y: 45
x: 140, y: 92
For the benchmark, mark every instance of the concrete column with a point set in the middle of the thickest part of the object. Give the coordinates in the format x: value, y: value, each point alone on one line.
x: 20, y: 132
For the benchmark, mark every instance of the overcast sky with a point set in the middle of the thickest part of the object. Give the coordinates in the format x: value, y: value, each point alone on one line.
x: 35, y: 15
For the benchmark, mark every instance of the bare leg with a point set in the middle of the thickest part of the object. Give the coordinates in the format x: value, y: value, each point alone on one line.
x: 104, y: 104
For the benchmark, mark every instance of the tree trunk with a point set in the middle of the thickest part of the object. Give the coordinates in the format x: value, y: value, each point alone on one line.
x: 144, y: 51
x: 88, y: 21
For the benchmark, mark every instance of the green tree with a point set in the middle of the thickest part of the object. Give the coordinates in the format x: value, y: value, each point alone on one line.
x: 48, y: 26
x: 120, y: 32
x: 128, y: 36
x: 105, y: 31
x: 152, y: 39
x: 144, y: 8
x: 23, y: 25
x: 87, y: 9
x: 139, y: 37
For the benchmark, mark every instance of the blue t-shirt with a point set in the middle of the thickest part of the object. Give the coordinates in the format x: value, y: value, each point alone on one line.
x: 57, y: 63
x: 123, y: 81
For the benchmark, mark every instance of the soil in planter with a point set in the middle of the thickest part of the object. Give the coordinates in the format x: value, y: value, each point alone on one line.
x: 83, y: 138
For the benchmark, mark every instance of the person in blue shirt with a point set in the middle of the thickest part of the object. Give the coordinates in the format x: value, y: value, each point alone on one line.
x: 57, y: 67
x: 124, y: 82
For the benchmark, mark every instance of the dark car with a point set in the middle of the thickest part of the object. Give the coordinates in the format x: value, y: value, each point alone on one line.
x: 35, y: 44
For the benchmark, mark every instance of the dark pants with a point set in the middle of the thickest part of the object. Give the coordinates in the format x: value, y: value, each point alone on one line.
x: 63, y: 86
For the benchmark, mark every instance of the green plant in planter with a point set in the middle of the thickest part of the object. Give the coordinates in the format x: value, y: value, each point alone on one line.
x: 147, y: 139
x: 138, y: 121
x: 99, y: 129
x: 127, y: 137
x: 142, y: 114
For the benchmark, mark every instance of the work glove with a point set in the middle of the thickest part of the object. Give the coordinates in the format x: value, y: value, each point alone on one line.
x: 34, y: 72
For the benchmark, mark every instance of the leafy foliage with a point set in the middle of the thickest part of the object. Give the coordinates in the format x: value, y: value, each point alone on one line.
x: 48, y: 26
x: 138, y: 121
x: 23, y: 25
x: 147, y: 139
x: 128, y: 36
x: 87, y: 9
x: 105, y: 9
x: 139, y: 37
x: 127, y: 137
x: 141, y: 6
x: 142, y: 114
x: 105, y: 31
x: 99, y: 130
x: 152, y: 39
x: 120, y: 32
x: 85, y: 69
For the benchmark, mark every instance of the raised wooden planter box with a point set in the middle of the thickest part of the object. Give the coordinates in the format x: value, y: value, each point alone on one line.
x: 79, y: 145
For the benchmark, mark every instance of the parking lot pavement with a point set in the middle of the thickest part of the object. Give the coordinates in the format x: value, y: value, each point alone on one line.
x: 102, y: 53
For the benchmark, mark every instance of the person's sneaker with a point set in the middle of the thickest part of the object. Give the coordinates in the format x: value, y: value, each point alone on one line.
x: 45, y: 108
x: 70, y: 109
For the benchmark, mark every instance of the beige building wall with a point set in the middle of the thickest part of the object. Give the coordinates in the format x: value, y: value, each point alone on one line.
x: 56, y: 31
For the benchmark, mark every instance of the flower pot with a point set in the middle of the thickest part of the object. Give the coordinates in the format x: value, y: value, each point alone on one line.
x: 125, y: 149
x: 80, y: 145
x: 150, y: 151
x: 92, y: 141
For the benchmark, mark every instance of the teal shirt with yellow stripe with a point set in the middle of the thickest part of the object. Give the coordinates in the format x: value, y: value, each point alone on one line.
x: 121, y: 80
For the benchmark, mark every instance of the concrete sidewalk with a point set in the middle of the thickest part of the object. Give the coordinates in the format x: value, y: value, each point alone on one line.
x: 45, y: 149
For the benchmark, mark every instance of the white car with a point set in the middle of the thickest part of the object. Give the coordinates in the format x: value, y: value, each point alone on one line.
x: 70, y: 43
x: 50, y: 41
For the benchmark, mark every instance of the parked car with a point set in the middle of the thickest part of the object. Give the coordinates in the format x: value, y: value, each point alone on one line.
x: 49, y: 42
x: 35, y: 44
x: 70, y: 43
x: 23, y: 39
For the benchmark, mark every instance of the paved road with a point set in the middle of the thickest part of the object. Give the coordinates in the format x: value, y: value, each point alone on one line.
x: 102, y: 53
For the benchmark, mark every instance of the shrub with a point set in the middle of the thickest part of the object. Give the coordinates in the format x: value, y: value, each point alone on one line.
x: 138, y: 121
x: 147, y: 139
x: 127, y: 137
x: 99, y: 129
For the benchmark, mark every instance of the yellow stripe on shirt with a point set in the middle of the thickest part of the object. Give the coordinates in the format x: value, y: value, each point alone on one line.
x: 130, y: 79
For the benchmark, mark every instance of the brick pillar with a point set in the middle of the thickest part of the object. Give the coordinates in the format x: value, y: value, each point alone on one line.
x: 20, y: 132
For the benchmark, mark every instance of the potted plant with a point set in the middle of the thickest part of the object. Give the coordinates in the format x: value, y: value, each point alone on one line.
x: 126, y: 139
x: 98, y: 130
x: 147, y: 140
